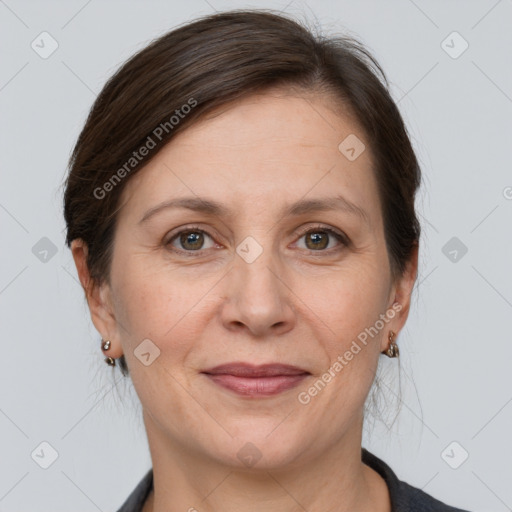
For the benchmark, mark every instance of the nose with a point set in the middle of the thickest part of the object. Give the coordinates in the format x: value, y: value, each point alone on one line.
x: 258, y: 299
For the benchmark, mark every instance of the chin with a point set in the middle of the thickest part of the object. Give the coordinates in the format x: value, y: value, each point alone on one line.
x: 261, y: 447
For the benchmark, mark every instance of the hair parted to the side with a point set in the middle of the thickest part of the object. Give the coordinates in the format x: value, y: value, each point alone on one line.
x: 209, y: 63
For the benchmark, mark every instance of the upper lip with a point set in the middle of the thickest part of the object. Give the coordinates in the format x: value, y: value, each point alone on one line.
x: 240, y: 369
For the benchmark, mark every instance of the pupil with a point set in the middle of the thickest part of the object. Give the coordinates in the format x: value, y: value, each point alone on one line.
x: 319, y: 240
x: 192, y: 240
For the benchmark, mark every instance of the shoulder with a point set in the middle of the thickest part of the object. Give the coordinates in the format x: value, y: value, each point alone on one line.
x: 405, y: 497
x: 136, y: 499
x: 413, y: 499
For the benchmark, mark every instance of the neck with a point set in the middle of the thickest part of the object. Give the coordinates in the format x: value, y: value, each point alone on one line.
x: 333, y: 481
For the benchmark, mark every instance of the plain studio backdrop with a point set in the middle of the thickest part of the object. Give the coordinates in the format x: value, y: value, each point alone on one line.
x: 72, y: 436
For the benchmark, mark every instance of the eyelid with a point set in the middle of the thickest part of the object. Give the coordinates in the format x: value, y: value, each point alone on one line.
x: 319, y: 226
x: 180, y: 229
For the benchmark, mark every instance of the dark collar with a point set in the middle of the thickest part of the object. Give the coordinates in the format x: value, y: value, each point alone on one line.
x: 404, y: 497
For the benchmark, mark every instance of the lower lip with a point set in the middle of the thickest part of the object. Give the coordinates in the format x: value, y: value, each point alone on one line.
x: 257, y: 386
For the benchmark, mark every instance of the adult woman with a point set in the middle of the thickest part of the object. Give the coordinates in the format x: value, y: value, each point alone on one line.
x: 240, y: 209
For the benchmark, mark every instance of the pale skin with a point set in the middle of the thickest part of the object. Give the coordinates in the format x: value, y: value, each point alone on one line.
x: 295, y: 303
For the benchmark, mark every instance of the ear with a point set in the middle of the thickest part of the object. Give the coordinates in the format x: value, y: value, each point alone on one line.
x: 401, y: 295
x: 98, y: 299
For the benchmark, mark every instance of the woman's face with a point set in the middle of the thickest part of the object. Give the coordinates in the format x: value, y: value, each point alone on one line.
x: 272, y: 252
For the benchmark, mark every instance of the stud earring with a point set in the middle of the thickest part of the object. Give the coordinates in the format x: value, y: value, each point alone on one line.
x: 106, y: 346
x: 392, y: 351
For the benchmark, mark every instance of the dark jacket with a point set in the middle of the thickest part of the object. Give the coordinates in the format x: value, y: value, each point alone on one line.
x: 404, y: 497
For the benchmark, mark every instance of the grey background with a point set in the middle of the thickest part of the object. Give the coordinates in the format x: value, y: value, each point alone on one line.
x: 456, y: 348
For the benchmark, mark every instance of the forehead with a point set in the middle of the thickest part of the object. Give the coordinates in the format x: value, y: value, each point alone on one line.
x: 268, y: 146
x: 274, y: 119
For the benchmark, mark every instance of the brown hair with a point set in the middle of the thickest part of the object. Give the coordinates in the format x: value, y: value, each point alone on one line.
x: 210, y: 62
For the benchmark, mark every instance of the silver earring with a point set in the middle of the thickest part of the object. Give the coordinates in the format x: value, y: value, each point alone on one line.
x: 392, y: 350
x: 106, y: 346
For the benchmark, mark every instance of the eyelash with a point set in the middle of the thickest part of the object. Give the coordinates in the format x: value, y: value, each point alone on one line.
x: 343, y: 239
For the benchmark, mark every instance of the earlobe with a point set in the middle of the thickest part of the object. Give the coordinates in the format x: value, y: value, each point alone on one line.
x: 96, y: 294
x: 401, y: 295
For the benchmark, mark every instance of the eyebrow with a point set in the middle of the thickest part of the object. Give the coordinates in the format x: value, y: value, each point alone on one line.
x: 210, y: 207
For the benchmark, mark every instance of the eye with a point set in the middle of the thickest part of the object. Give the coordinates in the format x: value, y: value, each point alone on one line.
x: 318, y: 239
x: 321, y: 238
x: 190, y: 240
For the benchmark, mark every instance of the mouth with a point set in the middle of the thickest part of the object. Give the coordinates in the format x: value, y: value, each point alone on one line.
x: 256, y: 380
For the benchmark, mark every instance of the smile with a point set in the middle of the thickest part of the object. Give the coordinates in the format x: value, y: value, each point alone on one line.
x: 256, y: 381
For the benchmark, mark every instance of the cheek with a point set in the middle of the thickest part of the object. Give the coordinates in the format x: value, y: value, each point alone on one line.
x: 349, y: 300
x: 350, y: 305
x: 157, y: 303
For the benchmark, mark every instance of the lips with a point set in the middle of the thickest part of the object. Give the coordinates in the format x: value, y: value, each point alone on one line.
x: 252, y: 371
x: 249, y: 380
